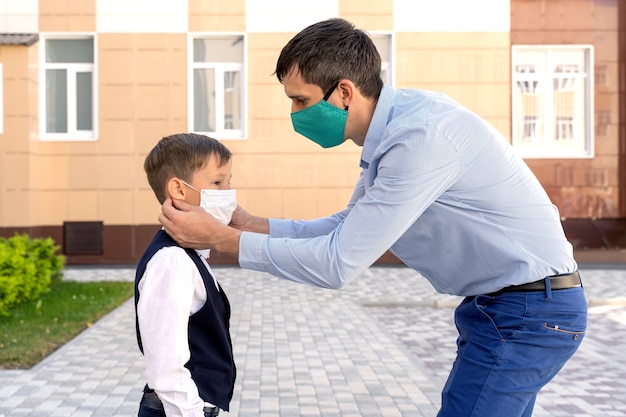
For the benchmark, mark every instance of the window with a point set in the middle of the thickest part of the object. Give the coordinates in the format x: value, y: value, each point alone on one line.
x: 384, y: 44
x: 553, y: 100
x: 68, y: 88
x: 217, y: 86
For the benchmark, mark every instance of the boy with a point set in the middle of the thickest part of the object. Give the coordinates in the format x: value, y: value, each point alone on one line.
x: 182, y: 313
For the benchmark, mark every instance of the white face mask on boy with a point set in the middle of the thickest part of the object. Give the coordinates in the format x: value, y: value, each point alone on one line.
x: 219, y: 203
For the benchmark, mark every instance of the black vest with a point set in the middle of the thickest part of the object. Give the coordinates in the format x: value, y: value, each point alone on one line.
x: 211, y: 364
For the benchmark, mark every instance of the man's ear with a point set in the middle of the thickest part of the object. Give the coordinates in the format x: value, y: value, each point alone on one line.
x: 176, y: 189
x: 347, y: 90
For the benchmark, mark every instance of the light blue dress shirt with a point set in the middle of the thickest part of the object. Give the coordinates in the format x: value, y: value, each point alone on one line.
x: 442, y: 190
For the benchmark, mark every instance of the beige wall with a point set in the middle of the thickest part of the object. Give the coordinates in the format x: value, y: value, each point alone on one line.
x: 67, y: 15
x: 473, y: 68
x: 217, y: 15
x: 20, y: 116
x: 142, y: 96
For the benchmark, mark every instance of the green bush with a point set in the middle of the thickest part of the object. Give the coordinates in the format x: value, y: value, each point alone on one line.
x: 27, y: 268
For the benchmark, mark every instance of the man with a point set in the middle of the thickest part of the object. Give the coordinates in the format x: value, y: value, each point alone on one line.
x: 442, y: 190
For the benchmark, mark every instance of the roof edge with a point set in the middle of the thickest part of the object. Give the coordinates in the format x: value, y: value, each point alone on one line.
x: 26, y: 39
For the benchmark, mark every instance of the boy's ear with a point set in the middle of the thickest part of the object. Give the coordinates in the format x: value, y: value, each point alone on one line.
x: 176, y: 189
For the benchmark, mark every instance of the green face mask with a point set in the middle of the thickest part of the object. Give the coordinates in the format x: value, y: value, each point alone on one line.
x: 323, y: 123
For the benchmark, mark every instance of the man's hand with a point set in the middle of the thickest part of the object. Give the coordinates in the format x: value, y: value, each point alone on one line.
x: 192, y: 227
x: 244, y: 221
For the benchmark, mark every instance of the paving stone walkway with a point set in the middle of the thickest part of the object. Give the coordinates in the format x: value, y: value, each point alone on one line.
x: 382, y: 346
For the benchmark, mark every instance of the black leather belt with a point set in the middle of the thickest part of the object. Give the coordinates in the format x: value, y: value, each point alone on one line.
x: 557, y: 282
x: 151, y: 400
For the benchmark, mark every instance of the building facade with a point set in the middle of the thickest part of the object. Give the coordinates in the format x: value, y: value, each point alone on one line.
x: 89, y: 86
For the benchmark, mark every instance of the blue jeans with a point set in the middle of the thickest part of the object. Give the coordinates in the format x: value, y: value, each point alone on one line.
x: 510, y: 346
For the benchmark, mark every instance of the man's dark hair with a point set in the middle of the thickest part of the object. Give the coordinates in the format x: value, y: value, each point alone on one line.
x: 332, y: 50
x: 180, y: 155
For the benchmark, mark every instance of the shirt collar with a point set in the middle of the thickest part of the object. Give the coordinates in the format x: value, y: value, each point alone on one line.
x: 377, y: 125
x: 204, y: 253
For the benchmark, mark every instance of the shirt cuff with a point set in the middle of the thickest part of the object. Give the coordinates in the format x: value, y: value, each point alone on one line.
x: 281, y: 227
x: 251, y: 248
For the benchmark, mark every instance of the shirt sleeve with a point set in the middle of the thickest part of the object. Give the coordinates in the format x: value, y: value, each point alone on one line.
x: 329, y: 252
x: 311, y: 228
x: 167, y: 293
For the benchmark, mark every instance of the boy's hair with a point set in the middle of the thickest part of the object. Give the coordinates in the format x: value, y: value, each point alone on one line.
x: 180, y: 155
x: 329, y: 51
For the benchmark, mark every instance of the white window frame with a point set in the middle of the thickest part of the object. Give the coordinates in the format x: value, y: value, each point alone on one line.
x: 220, y: 69
x: 73, y: 134
x: 387, y: 66
x: 555, y: 130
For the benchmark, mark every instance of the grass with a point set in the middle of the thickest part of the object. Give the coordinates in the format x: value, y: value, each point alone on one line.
x: 35, y: 329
